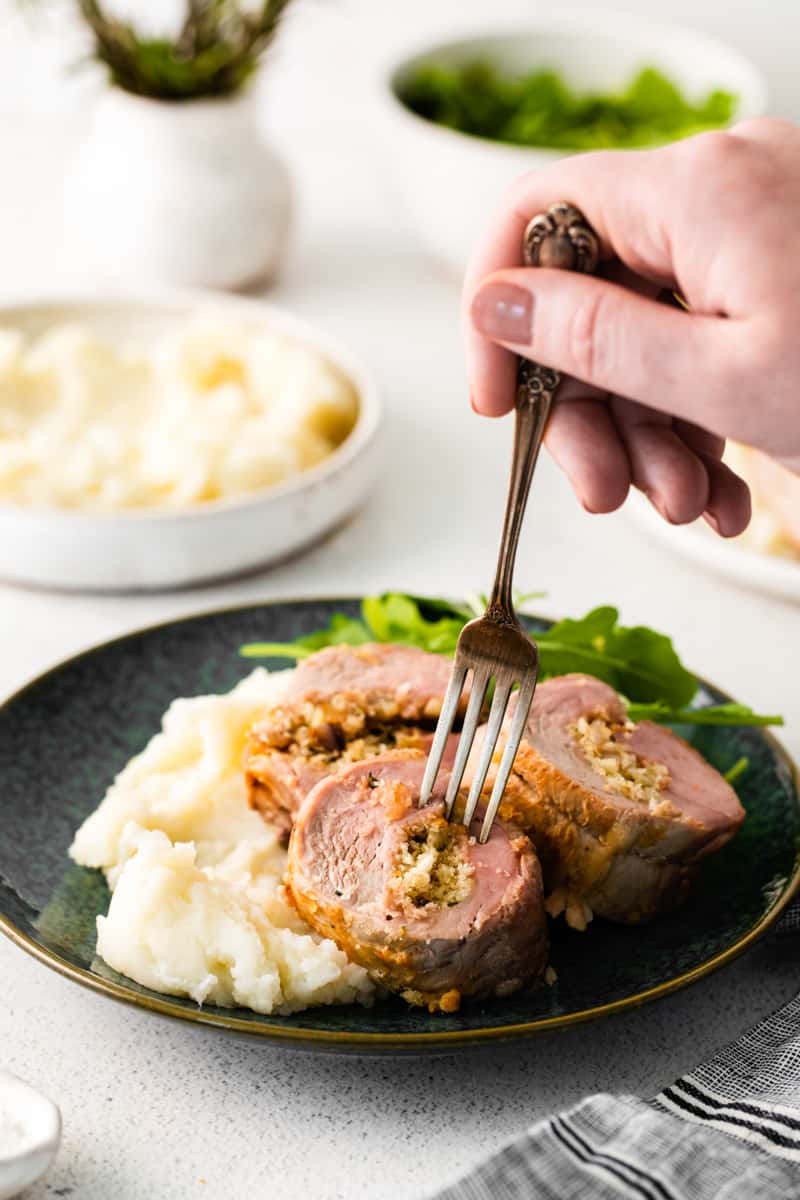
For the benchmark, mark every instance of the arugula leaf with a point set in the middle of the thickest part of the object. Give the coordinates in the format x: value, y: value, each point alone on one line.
x: 712, y: 714
x: 637, y: 661
x: 521, y: 598
x: 541, y: 108
x: 738, y: 769
x: 342, y: 631
x: 446, y: 608
x: 397, y: 618
x: 392, y: 617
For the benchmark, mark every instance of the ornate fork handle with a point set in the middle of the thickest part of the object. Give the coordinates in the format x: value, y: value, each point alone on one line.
x: 494, y: 647
x: 560, y: 237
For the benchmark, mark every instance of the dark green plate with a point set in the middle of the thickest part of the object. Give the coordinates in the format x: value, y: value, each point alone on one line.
x: 65, y: 736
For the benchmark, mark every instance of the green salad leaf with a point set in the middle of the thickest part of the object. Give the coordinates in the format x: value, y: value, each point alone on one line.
x: 541, y: 109
x: 342, y: 631
x: 637, y: 661
x: 737, y: 770
x: 396, y: 618
x: 713, y: 714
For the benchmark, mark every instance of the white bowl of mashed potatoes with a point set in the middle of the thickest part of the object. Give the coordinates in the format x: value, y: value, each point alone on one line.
x: 162, y: 442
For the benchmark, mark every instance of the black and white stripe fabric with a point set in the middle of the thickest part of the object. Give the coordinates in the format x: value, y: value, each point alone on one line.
x: 751, y: 1089
x: 729, y: 1130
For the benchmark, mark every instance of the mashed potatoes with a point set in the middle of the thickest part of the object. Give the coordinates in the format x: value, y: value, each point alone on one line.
x: 197, y: 906
x: 215, y: 409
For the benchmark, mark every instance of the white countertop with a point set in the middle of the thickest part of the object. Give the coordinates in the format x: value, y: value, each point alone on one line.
x: 154, y: 1108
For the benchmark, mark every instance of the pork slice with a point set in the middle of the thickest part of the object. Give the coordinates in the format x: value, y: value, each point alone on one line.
x: 343, y: 704
x: 374, y: 682
x: 430, y: 912
x: 279, y: 781
x: 620, y: 845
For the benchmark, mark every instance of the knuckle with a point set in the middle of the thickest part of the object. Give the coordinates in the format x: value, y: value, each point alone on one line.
x: 731, y: 171
x: 589, y: 337
x: 764, y: 129
x: 717, y: 154
x: 742, y: 159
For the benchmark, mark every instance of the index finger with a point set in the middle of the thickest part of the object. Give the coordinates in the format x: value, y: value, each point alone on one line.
x: 617, y: 193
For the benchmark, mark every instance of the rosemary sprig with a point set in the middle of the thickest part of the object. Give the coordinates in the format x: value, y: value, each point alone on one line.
x: 215, y: 52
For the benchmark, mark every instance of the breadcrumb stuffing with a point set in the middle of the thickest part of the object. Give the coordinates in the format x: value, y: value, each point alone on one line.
x: 627, y: 774
x: 449, y: 1002
x: 577, y: 912
x: 431, y: 868
x: 337, y: 730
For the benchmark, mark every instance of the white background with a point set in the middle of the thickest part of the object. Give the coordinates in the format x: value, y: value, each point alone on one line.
x: 156, y: 1109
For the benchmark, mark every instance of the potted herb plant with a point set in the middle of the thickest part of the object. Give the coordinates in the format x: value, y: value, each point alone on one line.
x: 173, y: 182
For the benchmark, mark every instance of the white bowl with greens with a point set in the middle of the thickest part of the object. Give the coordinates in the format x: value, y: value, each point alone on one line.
x: 465, y: 118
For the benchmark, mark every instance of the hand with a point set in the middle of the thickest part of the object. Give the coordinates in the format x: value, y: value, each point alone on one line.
x: 654, y: 390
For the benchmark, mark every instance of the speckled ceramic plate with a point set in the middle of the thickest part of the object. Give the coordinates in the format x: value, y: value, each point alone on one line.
x: 65, y: 736
x: 730, y: 558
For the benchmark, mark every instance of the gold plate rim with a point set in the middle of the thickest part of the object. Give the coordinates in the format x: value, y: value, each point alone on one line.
x: 422, y: 1041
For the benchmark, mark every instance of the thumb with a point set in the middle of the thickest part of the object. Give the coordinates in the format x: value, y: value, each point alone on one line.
x: 610, y: 337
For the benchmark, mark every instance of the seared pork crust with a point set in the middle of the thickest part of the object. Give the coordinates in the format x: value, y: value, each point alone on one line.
x: 620, y: 818
x: 420, y: 903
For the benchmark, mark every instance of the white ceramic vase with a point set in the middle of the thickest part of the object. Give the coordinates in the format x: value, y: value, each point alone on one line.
x: 179, y: 192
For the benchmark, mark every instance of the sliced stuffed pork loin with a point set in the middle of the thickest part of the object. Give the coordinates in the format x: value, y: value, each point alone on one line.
x: 428, y: 911
x: 344, y: 704
x: 620, y: 814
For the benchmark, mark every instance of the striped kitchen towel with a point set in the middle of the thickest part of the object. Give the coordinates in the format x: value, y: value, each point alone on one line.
x: 729, y: 1130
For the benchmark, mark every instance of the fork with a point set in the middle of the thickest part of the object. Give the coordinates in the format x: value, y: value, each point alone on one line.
x: 495, y: 646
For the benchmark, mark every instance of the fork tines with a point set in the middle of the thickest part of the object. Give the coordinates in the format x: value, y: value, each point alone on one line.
x: 482, y: 673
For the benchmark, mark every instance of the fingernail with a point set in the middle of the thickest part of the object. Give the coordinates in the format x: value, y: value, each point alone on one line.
x: 472, y: 403
x: 659, y: 505
x: 725, y: 529
x: 503, y: 311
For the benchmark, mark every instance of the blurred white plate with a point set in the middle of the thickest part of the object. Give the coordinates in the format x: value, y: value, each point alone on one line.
x: 728, y: 557
x: 145, y: 549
